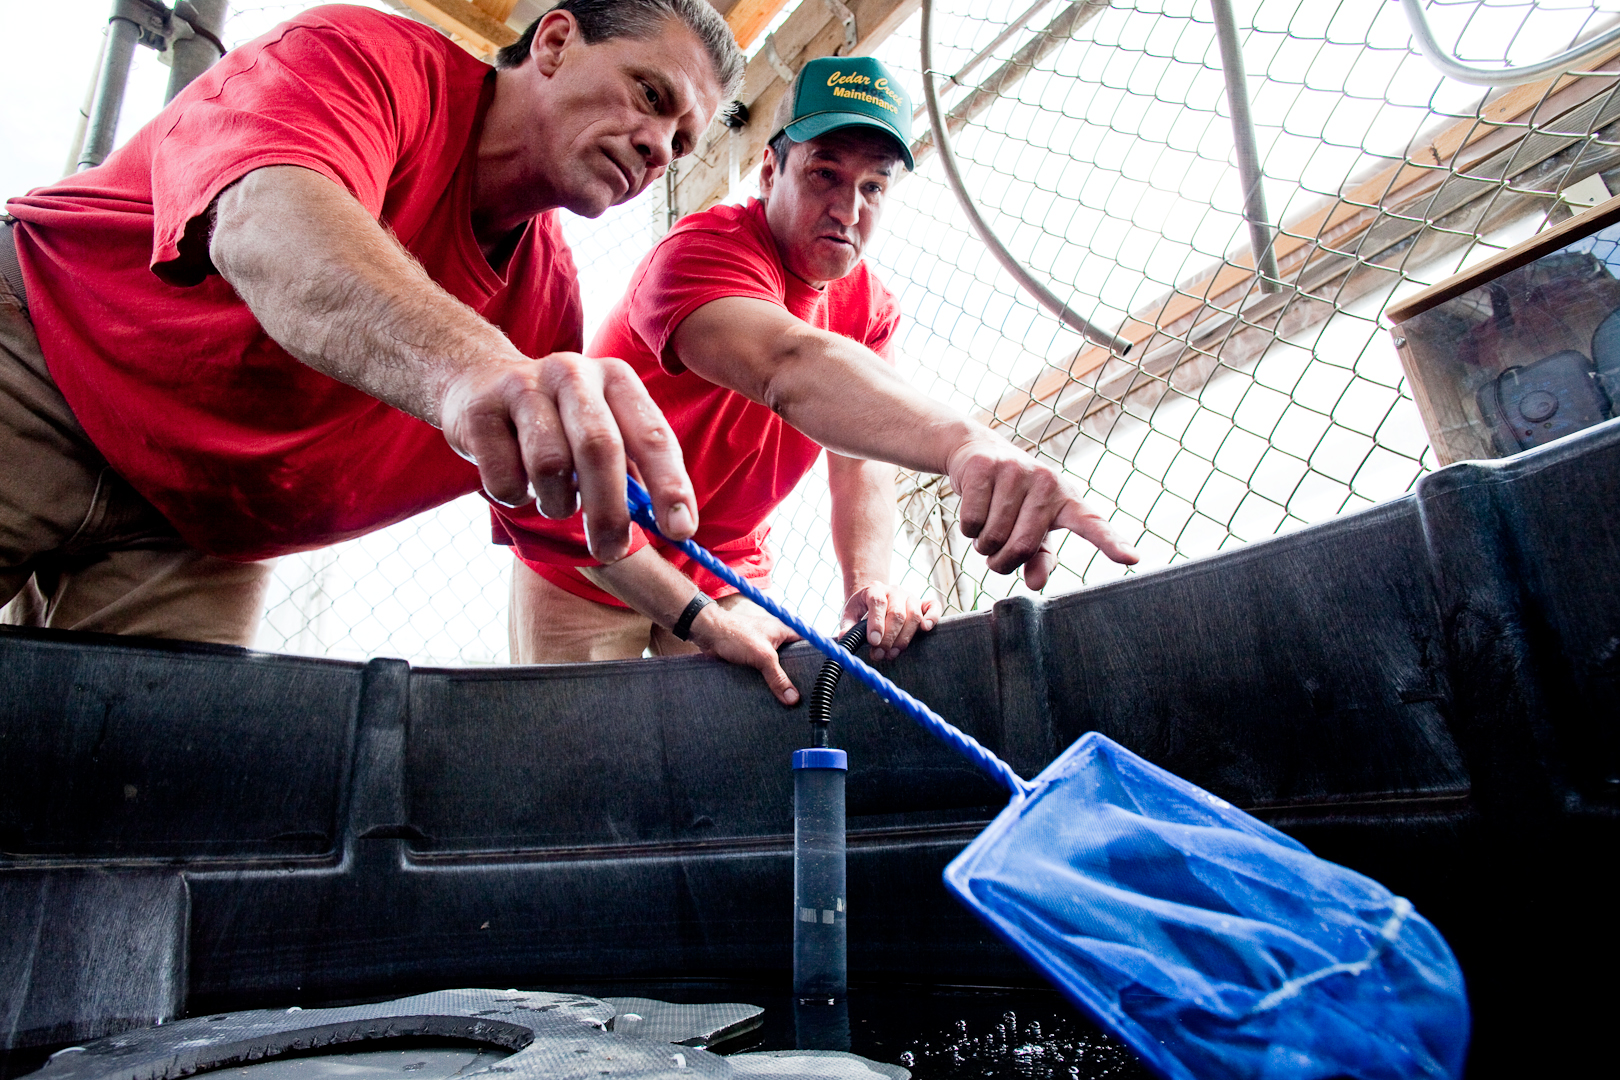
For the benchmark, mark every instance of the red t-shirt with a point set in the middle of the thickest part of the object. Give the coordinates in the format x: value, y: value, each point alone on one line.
x: 247, y: 451
x: 743, y: 458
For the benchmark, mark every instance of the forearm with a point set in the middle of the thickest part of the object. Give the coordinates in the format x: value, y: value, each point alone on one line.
x: 863, y: 519
x: 334, y: 289
x: 647, y: 582
x: 833, y: 389
x: 875, y: 414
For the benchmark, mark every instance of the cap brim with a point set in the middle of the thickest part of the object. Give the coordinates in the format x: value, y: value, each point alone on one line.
x: 819, y: 124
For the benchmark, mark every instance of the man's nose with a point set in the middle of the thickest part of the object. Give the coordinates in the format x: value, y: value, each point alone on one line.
x: 845, y: 205
x: 656, y: 145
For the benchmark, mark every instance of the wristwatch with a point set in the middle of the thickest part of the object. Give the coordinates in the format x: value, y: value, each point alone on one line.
x: 683, y: 625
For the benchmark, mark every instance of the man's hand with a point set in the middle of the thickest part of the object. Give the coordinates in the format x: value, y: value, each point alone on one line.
x: 534, y: 425
x: 1010, y: 502
x: 739, y: 631
x: 335, y: 289
x: 893, y: 617
x: 731, y: 629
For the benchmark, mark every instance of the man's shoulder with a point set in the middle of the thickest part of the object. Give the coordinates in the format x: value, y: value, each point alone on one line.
x: 739, y: 225
x: 713, y: 247
x: 362, y: 21
x: 373, y: 33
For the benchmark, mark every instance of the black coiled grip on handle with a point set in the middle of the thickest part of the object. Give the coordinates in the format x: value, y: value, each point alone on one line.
x: 821, y: 694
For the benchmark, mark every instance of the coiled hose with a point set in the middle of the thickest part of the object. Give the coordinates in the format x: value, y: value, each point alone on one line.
x: 821, y: 694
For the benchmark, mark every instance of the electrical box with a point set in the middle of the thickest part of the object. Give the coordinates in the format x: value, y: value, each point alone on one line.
x: 1521, y: 349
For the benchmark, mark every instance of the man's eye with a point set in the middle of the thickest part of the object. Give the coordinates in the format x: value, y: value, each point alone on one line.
x: 652, y: 95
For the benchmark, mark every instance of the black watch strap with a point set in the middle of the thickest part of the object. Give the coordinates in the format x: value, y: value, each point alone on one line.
x: 683, y: 625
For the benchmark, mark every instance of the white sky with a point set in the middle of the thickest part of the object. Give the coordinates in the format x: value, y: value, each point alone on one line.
x: 43, y: 86
x: 46, y: 59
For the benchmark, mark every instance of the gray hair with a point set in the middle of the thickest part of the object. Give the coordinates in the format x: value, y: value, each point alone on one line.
x: 600, y: 20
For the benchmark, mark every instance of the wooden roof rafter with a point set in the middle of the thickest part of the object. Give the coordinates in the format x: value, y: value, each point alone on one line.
x: 749, y: 18
x: 479, y: 26
x: 483, y: 26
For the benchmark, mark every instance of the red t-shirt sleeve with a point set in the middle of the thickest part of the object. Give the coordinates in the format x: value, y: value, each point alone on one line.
x: 669, y: 290
x: 313, y: 97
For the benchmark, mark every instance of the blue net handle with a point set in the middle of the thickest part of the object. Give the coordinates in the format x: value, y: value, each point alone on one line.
x: 641, y: 509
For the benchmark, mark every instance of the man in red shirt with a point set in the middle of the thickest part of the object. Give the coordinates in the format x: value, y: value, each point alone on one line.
x: 764, y: 338
x: 325, y: 290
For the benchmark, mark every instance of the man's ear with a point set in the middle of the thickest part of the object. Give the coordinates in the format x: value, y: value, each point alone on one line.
x: 767, y: 173
x: 557, y: 30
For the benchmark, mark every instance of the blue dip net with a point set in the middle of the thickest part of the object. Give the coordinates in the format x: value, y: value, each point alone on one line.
x: 1210, y: 942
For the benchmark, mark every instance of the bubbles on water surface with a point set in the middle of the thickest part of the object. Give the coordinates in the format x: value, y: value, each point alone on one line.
x: 936, y: 1031
x: 1010, y: 1049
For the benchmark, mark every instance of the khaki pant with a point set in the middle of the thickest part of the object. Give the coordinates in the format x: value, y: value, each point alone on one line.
x: 79, y: 548
x: 550, y: 625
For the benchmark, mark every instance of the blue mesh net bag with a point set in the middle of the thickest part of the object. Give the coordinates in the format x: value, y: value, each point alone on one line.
x: 1210, y: 942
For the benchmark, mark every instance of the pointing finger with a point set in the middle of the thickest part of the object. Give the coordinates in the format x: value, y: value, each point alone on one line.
x: 1086, y: 523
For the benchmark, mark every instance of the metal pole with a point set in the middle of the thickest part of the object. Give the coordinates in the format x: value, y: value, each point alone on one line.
x: 1001, y: 38
x: 102, y: 125
x: 1248, y: 158
x: 199, y: 43
x: 1070, y: 318
x: 1452, y: 68
x: 71, y: 166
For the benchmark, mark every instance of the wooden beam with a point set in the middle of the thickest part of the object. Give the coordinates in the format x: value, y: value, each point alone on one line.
x: 1543, y: 243
x: 749, y: 18
x: 474, y: 28
x: 1458, y: 148
x: 499, y: 10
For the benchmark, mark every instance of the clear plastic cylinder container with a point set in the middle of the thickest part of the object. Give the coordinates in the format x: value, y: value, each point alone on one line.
x: 820, y: 929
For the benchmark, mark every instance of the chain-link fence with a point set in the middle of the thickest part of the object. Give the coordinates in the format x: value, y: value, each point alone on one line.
x: 1097, y: 142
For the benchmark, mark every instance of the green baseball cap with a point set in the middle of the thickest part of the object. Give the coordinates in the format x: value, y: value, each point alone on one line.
x: 835, y: 92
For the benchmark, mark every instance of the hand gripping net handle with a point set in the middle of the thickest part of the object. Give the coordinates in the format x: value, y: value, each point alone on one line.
x: 963, y: 743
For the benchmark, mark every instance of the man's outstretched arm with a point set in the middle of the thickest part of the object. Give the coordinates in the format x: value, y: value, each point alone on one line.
x: 842, y: 395
x: 335, y: 290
